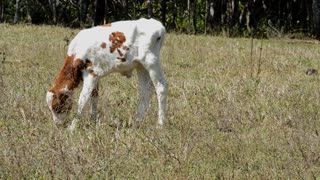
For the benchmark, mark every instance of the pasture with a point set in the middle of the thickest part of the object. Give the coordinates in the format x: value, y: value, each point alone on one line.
x: 235, y: 111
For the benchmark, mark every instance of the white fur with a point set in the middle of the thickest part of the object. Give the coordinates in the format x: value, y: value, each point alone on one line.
x: 144, y: 39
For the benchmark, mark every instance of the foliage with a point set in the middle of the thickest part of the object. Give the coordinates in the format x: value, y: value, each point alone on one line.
x: 234, y: 17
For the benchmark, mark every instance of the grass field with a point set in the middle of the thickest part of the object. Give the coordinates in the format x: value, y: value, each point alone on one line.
x: 232, y: 113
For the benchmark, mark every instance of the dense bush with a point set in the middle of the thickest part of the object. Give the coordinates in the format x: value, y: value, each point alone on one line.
x: 232, y: 17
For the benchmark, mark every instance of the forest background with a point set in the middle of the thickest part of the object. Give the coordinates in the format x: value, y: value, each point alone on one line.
x: 263, y: 18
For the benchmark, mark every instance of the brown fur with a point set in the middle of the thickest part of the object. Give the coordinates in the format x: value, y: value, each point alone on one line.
x: 92, y: 73
x: 61, y: 103
x: 121, y: 57
x: 117, y: 39
x: 88, y: 63
x: 103, y: 45
x: 95, y: 92
x: 69, y: 76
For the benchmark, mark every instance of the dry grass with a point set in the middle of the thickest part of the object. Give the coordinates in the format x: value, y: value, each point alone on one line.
x: 230, y: 116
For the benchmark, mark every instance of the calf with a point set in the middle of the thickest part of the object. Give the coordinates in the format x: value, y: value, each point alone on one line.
x: 96, y: 52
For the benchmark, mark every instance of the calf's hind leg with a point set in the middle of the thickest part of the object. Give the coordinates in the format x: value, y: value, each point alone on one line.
x: 146, y: 88
x: 161, y: 87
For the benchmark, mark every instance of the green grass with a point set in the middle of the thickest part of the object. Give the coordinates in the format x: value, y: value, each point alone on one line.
x: 230, y: 115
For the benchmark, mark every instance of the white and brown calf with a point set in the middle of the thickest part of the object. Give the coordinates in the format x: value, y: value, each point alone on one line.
x: 118, y: 47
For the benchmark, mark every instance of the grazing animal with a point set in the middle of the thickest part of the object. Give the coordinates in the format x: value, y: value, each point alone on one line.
x: 96, y: 52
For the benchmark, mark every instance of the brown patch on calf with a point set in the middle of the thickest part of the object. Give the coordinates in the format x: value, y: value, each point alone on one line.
x: 88, y: 64
x: 117, y: 39
x: 61, y: 103
x: 122, y: 58
x: 95, y: 92
x: 67, y: 79
x: 125, y: 48
x: 103, y: 45
x: 120, y: 53
x: 92, y: 73
x: 70, y: 74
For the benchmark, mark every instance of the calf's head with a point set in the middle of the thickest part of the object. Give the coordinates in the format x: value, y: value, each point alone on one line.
x: 59, y: 97
x: 60, y: 104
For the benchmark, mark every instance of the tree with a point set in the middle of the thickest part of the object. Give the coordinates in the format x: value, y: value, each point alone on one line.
x: 175, y: 13
x: 29, y: 20
x: 163, y: 11
x: 52, y: 4
x: 316, y: 17
x: 150, y: 8
x: 188, y: 16
x: 237, y: 17
x: 83, y: 8
x: 16, y: 16
x: 194, y: 16
x: 99, y: 12
x: 192, y: 11
x: 1, y: 10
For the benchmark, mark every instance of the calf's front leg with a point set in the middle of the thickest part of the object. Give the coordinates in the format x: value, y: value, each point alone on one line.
x: 94, y: 103
x: 89, y: 84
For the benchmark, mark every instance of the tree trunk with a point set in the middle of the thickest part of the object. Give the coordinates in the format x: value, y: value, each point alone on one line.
x: 1, y: 11
x: 194, y: 17
x: 83, y: 7
x: 16, y: 16
x: 206, y: 17
x: 309, y: 15
x: 99, y: 12
x: 54, y: 11
x: 210, y: 14
x: 236, y: 13
x: 163, y: 11
x: 29, y: 20
x: 106, y: 12
x: 316, y: 17
x: 189, y: 16
x: 175, y: 14
x: 124, y: 11
x: 223, y: 7
x: 150, y: 8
